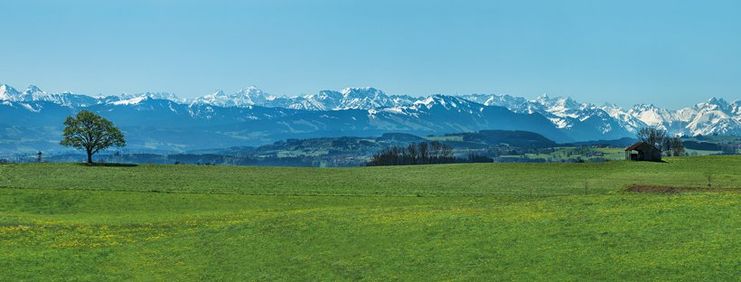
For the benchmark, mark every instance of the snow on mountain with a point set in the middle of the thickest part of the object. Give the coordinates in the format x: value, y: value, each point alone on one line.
x: 563, y: 112
x: 626, y: 120
x: 326, y: 100
x: 716, y: 116
x: 364, y: 98
x: 66, y: 99
x: 246, y: 97
x: 561, y: 106
x: 515, y: 104
x: 448, y: 103
x: 34, y: 94
x: 444, y: 113
x: 8, y: 93
x: 430, y: 104
x: 580, y: 121
x: 652, y: 115
x: 130, y: 101
x: 139, y: 99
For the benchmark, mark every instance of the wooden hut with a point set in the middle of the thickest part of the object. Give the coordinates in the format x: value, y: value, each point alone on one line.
x: 643, y: 151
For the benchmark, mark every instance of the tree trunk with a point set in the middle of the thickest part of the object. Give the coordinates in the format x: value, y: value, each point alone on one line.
x: 89, y: 157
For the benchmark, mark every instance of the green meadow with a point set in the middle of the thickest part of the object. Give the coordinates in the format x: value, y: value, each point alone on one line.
x: 550, y: 221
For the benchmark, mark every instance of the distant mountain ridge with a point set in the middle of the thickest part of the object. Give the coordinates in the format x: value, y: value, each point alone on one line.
x: 31, y: 118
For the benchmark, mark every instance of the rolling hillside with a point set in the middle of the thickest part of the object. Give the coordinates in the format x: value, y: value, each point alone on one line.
x: 442, y: 222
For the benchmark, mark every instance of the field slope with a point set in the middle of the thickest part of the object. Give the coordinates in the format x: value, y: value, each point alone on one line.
x: 442, y: 222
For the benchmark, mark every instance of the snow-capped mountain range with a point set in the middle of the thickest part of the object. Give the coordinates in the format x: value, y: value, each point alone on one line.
x: 252, y: 116
x: 716, y: 116
x: 326, y: 100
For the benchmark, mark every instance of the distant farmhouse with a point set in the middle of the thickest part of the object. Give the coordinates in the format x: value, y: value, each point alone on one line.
x: 643, y: 151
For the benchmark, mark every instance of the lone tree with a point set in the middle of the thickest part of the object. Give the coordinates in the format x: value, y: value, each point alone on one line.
x: 654, y: 136
x: 661, y: 140
x: 676, y: 146
x: 92, y: 133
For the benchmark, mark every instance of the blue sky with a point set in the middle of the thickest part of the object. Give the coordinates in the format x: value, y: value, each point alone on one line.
x: 670, y: 53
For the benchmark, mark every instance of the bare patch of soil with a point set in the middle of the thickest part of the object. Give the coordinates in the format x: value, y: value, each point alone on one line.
x: 641, y: 188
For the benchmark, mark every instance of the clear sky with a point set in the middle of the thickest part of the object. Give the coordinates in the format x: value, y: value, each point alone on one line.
x: 670, y: 53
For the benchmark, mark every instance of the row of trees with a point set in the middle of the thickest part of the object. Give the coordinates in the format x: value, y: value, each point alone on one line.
x: 416, y: 153
x: 670, y: 146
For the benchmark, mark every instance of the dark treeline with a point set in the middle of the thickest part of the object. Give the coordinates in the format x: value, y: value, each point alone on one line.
x: 204, y: 159
x: 415, y: 153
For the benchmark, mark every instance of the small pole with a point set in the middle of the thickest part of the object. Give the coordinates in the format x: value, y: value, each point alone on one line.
x: 586, y: 186
x: 710, y: 182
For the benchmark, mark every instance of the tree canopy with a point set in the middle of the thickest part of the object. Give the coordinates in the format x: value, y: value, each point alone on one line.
x: 661, y: 140
x: 652, y: 135
x: 92, y: 133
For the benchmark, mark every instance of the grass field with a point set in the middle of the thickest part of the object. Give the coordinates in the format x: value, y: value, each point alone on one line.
x: 573, y: 153
x: 444, y: 222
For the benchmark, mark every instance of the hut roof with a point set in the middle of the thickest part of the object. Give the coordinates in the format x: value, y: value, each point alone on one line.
x: 641, y: 146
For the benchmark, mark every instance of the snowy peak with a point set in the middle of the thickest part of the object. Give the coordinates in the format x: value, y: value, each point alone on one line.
x: 132, y: 99
x: 362, y: 93
x: 364, y: 98
x: 325, y: 100
x: 253, y: 95
x: 129, y: 101
x: 33, y: 89
x: 716, y: 104
x: 565, y: 107
x: 33, y: 93
x: 515, y: 104
x: 626, y: 120
x: 328, y: 95
x: 558, y: 103
x: 651, y: 115
x: 8, y: 93
x: 445, y: 103
x: 245, y: 97
x: 716, y: 116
